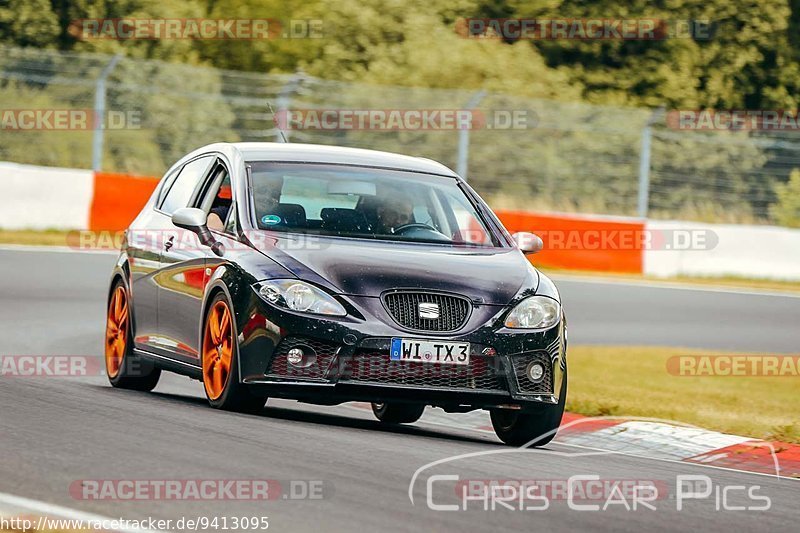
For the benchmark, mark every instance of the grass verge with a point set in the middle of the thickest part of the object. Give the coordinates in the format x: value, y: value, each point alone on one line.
x: 34, y: 238
x: 634, y: 381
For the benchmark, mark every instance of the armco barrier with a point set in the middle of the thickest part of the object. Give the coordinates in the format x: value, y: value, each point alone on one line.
x: 33, y: 197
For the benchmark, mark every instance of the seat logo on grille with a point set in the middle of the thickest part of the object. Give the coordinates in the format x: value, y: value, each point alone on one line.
x: 429, y: 310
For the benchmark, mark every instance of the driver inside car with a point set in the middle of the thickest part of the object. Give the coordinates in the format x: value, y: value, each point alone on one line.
x: 395, y: 213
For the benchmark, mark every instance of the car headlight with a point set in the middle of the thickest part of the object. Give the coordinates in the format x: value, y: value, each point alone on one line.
x: 300, y: 296
x: 536, y: 312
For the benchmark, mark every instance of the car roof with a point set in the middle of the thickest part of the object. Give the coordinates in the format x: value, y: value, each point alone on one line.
x: 320, y: 153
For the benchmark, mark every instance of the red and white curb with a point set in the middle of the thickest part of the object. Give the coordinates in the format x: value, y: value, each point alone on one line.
x: 653, y: 439
x: 661, y: 440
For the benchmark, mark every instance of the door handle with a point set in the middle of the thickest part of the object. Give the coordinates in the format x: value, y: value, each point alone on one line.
x: 168, y: 244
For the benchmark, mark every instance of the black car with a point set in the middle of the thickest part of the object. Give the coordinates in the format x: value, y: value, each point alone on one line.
x: 327, y: 275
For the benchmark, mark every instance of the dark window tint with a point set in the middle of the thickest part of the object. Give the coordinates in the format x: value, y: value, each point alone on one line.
x: 181, y: 191
x: 230, y: 225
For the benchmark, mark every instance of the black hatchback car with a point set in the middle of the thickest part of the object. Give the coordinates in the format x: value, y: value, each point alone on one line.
x: 327, y: 275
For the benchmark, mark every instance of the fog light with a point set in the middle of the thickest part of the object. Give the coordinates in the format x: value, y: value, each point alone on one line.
x: 535, y: 372
x: 295, y: 356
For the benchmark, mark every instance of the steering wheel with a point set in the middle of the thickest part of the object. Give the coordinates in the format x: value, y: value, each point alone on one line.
x: 427, y: 232
x: 415, y: 225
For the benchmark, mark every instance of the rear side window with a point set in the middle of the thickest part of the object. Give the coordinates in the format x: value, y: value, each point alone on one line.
x: 185, y: 184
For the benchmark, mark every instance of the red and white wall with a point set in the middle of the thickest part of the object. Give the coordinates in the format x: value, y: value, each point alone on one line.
x: 41, y: 198
x: 675, y: 248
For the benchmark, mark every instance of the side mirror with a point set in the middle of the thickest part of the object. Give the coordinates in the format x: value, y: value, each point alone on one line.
x: 190, y: 218
x: 528, y: 243
x: 195, y: 220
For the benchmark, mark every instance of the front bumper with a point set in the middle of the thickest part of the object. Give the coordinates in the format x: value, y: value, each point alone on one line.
x: 350, y: 359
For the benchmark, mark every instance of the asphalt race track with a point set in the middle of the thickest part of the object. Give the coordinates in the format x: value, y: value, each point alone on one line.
x: 55, y: 432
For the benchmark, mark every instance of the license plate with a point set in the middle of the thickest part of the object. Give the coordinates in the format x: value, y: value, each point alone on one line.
x: 427, y: 351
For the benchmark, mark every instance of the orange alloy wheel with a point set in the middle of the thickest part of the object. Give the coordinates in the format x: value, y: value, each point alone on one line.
x: 217, y: 350
x: 116, y: 331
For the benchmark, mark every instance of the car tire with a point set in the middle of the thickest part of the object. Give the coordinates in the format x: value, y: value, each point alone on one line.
x: 219, y: 358
x: 124, y: 369
x: 518, y: 428
x: 397, y: 413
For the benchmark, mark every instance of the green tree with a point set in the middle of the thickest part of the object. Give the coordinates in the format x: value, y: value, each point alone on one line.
x: 28, y: 23
x: 786, y: 211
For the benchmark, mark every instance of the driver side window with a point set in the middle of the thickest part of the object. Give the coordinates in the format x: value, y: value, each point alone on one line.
x: 217, y: 201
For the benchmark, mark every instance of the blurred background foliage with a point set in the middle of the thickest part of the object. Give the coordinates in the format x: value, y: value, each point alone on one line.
x: 590, y: 99
x: 750, y: 60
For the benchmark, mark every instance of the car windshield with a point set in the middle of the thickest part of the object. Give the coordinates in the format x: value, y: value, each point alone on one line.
x: 367, y: 203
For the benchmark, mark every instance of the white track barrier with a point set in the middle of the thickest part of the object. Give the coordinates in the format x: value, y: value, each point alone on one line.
x: 33, y: 197
x: 746, y: 251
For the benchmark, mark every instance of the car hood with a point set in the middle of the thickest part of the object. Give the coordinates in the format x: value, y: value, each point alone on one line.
x: 368, y: 268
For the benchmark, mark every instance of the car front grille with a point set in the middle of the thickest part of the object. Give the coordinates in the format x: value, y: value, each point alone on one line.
x: 482, y: 373
x: 404, y: 307
x: 321, y: 352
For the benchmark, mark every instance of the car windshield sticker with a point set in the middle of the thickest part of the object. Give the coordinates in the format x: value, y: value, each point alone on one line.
x: 270, y: 220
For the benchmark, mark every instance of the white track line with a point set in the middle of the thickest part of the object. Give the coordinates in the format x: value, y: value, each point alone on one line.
x: 52, y: 249
x: 17, y: 503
